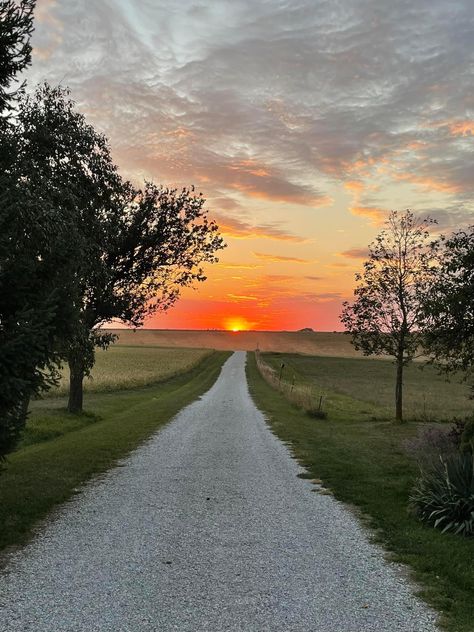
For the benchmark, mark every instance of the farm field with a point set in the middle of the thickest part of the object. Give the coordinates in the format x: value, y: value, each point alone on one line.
x: 309, y: 342
x: 123, y: 367
x: 360, y: 457
x: 428, y: 396
x: 59, y: 452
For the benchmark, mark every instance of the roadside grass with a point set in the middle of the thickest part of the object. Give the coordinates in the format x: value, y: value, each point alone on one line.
x: 428, y: 396
x: 117, y: 368
x: 363, y: 463
x: 41, y: 475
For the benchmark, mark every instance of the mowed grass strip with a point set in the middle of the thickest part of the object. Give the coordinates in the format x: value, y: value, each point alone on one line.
x: 363, y: 463
x: 428, y: 396
x: 40, y: 476
x: 125, y: 367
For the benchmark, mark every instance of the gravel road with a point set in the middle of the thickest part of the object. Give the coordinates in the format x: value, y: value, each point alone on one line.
x: 206, y: 528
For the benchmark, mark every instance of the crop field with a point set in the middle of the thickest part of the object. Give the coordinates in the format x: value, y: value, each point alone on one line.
x: 309, y: 342
x: 428, y: 395
x: 123, y: 367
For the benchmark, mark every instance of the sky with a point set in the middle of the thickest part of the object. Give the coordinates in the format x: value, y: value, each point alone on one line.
x: 303, y: 123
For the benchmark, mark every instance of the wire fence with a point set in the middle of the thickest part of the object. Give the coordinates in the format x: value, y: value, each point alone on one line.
x: 286, y: 381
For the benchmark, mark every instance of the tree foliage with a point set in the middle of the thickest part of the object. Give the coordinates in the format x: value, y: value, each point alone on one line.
x: 450, y: 304
x: 16, y: 26
x: 386, y: 316
x: 26, y: 313
x: 129, y: 251
x: 145, y: 253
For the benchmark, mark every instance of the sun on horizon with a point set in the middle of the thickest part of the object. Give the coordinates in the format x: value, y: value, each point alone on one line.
x: 236, y: 324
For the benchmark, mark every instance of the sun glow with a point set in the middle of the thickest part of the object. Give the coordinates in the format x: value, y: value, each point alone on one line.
x: 236, y: 324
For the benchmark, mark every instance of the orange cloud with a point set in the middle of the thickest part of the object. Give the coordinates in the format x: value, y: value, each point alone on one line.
x: 242, y: 297
x: 243, y: 266
x: 280, y: 258
x: 354, y: 185
x: 429, y: 184
x: 239, y: 229
x: 354, y: 253
x: 462, y: 128
x: 374, y: 213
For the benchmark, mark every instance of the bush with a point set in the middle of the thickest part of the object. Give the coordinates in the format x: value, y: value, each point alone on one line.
x: 443, y: 496
x: 430, y: 444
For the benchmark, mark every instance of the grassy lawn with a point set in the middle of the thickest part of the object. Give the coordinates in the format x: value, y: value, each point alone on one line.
x: 363, y: 463
x: 125, y: 367
x: 427, y: 394
x: 62, y: 452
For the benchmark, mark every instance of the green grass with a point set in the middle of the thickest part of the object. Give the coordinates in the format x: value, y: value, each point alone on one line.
x: 427, y: 394
x: 363, y: 463
x: 50, y: 466
x: 126, y: 367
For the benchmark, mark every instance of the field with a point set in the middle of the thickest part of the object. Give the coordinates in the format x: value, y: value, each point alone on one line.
x: 428, y: 395
x: 59, y: 452
x: 122, y: 367
x: 358, y: 454
x: 310, y: 342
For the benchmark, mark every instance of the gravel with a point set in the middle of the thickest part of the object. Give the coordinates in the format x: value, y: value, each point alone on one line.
x: 206, y: 528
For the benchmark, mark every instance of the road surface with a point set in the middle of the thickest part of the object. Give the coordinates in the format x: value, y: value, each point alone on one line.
x: 206, y: 528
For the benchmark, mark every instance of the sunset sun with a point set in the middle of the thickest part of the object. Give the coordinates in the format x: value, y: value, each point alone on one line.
x: 236, y: 324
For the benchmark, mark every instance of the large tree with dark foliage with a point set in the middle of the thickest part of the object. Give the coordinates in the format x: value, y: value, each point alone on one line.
x: 16, y: 26
x: 151, y: 244
x: 387, y: 314
x: 450, y: 304
x: 129, y: 252
x: 25, y: 317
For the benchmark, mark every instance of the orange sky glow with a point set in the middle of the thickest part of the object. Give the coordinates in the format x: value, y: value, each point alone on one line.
x: 303, y: 127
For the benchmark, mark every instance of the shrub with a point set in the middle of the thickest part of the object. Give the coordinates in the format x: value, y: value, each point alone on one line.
x: 430, y: 444
x: 443, y: 496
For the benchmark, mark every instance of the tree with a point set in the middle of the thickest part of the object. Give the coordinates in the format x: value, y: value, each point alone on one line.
x: 25, y: 311
x: 129, y: 252
x: 16, y: 26
x: 449, y: 308
x: 387, y: 314
x: 149, y: 247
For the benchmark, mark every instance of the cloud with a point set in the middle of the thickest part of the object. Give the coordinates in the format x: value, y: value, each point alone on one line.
x: 240, y: 229
x: 241, y: 297
x: 273, y: 101
x: 280, y: 258
x: 462, y: 128
x: 376, y: 215
x: 239, y: 266
x: 355, y: 253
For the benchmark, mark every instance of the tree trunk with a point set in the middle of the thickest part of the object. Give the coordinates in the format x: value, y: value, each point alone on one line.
x: 399, y: 390
x: 76, y: 379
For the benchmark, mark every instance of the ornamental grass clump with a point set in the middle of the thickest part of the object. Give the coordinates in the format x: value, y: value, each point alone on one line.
x: 443, y: 496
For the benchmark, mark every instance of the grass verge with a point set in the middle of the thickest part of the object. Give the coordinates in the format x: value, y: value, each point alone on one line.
x: 40, y: 476
x: 363, y: 463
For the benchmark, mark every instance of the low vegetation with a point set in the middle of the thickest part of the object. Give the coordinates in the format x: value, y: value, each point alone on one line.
x: 429, y: 396
x: 443, y: 495
x: 361, y: 457
x: 60, y: 451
